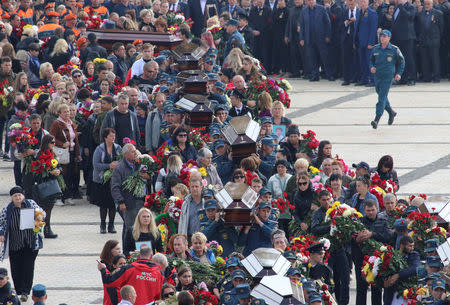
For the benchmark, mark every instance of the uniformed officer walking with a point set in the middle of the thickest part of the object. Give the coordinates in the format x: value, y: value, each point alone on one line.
x: 386, y: 62
x: 236, y: 38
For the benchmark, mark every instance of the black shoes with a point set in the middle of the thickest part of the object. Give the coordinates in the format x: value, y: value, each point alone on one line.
x: 314, y: 79
x: 111, y: 228
x: 374, y: 123
x: 360, y: 84
x: 411, y: 82
x: 345, y: 83
x: 103, y: 228
x: 48, y: 233
x: 392, y: 115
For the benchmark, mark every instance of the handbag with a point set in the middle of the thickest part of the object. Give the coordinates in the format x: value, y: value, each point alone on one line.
x: 62, y: 154
x: 48, y: 190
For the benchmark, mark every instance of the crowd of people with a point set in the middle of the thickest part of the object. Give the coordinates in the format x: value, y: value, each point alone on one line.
x: 74, y: 111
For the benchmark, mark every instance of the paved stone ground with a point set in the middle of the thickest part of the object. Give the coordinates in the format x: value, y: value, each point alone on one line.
x: 419, y: 141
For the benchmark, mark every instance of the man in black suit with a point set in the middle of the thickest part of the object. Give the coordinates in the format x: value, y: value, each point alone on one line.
x: 404, y: 35
x: 260, y: 17
x: 444, y: 52
x: 234, y: 9
x: 246, y: 31
x: 349, y: 56
x: 430, y: 28
x: 334, y: 11
x: 238, y: 108
x: 291, y: 37
x: 200, y: 11
x: 179, y: 7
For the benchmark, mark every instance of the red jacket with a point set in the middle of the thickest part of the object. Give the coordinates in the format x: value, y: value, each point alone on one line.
x: 146, y: 278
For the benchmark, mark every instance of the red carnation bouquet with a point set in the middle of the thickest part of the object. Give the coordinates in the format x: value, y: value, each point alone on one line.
x: 203, y: 297
x: 22, y: 140
x: 282, y: 205
x: 44, y: 165
x: 309, y: 143
x: 156, y: 202
x: 199, y: 137
x: 67, y: 68
x: 423, y: 226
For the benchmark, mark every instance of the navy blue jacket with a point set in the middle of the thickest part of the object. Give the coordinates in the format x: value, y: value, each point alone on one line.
x: 366, y: 28
x: 225, y: 236
x: 322, y: 24
x: 413, y: 261
x: 257, y: 237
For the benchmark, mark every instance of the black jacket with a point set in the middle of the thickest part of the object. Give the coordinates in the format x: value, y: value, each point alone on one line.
x: 403, y: 25
x: 318, y: 216
x: 120, y: 66
x: 199, y: 18
x: 430, y: 36
x: 244, y: 111
x: 59, y: 60
x: 302, y: 204
x: 95, y: 50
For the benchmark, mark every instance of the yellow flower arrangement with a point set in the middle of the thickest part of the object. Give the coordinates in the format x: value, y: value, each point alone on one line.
x: 203, y: 171
x: 314, y: 170
x: 54, y: 163
x: 99, y: 60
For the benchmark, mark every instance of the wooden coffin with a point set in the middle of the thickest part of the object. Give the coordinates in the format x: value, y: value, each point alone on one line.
x: 162, y: 41
x: 236, y: 201
x: 241, y: 134
x: 195, y: 84
x: 198, y: 114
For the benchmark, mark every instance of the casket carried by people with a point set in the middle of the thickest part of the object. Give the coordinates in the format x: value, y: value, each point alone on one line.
x: 163, y: 41
x: 193, y: 81
x: 198, y: 113
x: 236, y: 201
x: 439, y: 207
x: 187, y: 56
x: 241, y: 133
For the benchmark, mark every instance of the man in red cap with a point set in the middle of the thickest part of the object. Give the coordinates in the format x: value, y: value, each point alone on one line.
x: 71, y: 21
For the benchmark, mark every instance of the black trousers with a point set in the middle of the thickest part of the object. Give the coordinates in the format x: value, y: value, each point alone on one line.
x: 407, y: 49
x: 429, y: 58
x: 350, y: 62
x: 444, y: 55
x: 361, y: 284
x: 22, y: 269
x: 341, y: 275
x: 18, y: 172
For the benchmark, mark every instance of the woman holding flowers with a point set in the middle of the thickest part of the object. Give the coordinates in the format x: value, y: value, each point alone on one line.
x: 22, y: 246
x: 180, y: 139
x: 105, y: 158
x: 47, y: 145
x: 66, y: 136
x: 144, y: 229
x: 208, y: 170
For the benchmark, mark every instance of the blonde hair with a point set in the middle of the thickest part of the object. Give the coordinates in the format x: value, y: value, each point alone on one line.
x: 174, y: 164
x: 183, y: 189
x: 214, y: 19
x: 301, y: 162
x: 60, y: 47
x: 56, y: 76
x: 8, y: 50
x: 151, y: 226
x: 199, y: 236
x: 62, y: 107
x: 145, y: 12
x: 44, y: 67
x: 278, y: 103
x: 234, y: 59
x: 264, y: 101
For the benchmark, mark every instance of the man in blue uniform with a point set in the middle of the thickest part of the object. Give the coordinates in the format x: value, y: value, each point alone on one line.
x: 214, y: 229
x: 267, y: 156
x: 226, y: 284
x: 235, y: 37
x: 39, y: 294
x: 258, y: 234
x: 386, y: 62
x: 224, y: 165
x: 230, y: 297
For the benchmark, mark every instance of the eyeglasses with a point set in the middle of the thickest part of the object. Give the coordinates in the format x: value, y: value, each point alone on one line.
x: 302, y: 183
x: 166, y: 295
x: 239, y: 177
x: 151, y: 71
x: 182, y: 135
x: 52, y: 142
x: 78, y: 75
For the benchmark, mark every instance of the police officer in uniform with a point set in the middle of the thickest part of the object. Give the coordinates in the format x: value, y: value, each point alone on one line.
x: 386, y: 62
x: 315, y: 298
x: 267, y: 156
x: 231, y: 297
x: 214, y: 229
x: 224, y: 165
x: 242, y: 292
x: 431, y: 246
x: 246, y: 31
x: 7, y: 294
x: 39, y: 294
x: 316, y: 269
x: 338, y: 260
x: 225, y: 284
x: 235, y: 37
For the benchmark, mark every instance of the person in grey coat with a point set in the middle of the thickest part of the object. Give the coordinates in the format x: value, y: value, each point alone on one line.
x: 153, y: 124
x: 123, y: 121
x: 128, y: 204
